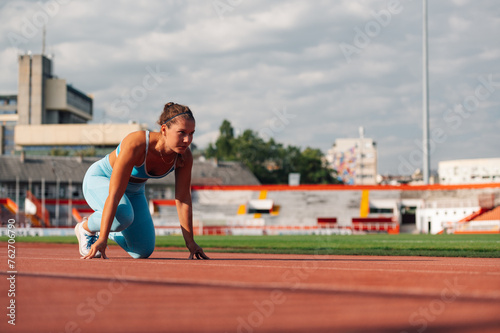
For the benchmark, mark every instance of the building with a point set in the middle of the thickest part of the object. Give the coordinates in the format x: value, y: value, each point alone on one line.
x: 42, y: 99
x: 473, y: 171
x: 45, y: 99
x: 8, y: 121
x: 355, y: 160
x: 47, y: 114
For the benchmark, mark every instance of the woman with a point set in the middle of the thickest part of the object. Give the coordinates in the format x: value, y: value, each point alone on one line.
x: 114, y: 188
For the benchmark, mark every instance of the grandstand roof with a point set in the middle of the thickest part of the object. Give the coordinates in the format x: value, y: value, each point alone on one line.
x: 52, y: 168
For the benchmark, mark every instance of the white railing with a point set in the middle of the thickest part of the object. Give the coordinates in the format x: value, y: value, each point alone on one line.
x: 474, y: 226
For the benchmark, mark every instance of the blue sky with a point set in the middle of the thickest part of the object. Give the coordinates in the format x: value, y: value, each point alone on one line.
x: 304, y: 72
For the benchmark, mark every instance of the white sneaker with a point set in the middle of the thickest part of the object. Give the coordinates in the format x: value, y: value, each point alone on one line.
x: 85, y: 240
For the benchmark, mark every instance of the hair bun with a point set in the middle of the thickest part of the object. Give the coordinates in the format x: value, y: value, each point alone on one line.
x: 173, y: 110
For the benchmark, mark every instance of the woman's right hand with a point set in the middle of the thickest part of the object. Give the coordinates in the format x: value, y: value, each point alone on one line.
x: 100, y: 245
x: 196, y: 251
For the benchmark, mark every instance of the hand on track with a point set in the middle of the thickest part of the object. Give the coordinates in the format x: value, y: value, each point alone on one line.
x: 100, y: 245
x: 196, y: 252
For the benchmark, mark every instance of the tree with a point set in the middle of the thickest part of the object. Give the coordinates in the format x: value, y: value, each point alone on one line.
x: 225, y: 141
x: 270, y: 161
x: 312, y: 169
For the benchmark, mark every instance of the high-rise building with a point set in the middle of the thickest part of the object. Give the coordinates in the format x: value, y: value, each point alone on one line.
x: 45, y: 99
x: 355, y: 160
x: 48, y: 113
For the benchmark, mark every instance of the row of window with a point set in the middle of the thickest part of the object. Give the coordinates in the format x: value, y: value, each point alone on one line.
x: 8, y: 101
x: 8, y: 111
x: 446, y: 213
x: 80, y: 102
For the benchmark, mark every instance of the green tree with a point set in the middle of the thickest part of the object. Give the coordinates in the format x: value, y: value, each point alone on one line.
x: 225, y: 142
x: 270, y: 161
x: 312, y: 168
x: 211, y: 151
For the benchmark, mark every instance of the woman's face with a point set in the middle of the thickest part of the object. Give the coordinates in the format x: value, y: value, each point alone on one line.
x: 180, y: 135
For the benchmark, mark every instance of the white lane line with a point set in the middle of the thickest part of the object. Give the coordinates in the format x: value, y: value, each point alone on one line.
x: 313, y: 267
x: 305, y: 267
x: 364, y: 291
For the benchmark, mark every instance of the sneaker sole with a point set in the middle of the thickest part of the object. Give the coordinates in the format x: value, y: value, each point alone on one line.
x: 77, y: 233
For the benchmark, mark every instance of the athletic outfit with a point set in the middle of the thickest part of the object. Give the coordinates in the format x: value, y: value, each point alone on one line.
x: 132, y: 227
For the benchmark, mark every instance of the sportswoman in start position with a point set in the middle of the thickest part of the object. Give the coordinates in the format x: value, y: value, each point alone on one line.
x: 114, y: 188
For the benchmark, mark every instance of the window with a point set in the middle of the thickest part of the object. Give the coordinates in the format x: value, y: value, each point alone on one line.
x: 377, y: 210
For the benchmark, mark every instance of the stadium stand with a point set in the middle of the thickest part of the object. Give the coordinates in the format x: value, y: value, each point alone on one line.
x: 227, y: 198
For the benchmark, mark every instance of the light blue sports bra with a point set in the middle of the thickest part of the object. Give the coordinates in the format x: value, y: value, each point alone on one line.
x: 141, y: 171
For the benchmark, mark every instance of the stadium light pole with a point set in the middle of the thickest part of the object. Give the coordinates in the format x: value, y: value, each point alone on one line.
x: 425, y: 102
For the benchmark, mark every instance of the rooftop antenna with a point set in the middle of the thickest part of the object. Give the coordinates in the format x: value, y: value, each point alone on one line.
x: 43, y: 40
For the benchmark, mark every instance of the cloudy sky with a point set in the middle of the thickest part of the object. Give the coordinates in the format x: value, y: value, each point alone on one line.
x: 304, y: 72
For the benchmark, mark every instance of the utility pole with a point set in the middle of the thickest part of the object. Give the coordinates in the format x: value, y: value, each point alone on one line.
x: 425, y: 104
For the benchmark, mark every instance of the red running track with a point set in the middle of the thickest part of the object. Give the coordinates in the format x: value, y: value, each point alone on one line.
x: 56, y: 292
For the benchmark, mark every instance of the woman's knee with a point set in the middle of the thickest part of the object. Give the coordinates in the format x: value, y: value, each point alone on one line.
x: 142, y: 253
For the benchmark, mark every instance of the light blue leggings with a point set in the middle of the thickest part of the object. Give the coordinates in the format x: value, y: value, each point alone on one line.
x: 132, y: 227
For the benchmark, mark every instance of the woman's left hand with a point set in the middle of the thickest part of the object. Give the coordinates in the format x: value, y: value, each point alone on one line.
x: 196, y: 251
x: 99, y: 246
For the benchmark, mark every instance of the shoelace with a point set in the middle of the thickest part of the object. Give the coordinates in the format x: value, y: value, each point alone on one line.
x: 91, y: 239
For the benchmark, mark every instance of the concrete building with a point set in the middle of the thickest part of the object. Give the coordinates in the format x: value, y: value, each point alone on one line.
x: 47, y: 113
x: 45, y: 99
x: 473, y: 171
x: 8, y: 121
x: 355, y: 160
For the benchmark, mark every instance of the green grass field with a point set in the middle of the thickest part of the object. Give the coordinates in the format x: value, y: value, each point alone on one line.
x: 485, y: 246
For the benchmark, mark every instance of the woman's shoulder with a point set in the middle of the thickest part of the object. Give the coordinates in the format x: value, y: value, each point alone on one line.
x: 134, y: 140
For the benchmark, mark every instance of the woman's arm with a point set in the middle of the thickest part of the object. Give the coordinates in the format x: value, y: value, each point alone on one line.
x: 184, y: 205
x: 132, y: 152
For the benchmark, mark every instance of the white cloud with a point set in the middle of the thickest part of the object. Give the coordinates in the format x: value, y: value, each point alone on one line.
x: 263, y: 56
x: 8, y: 68
x: 459, y: 24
